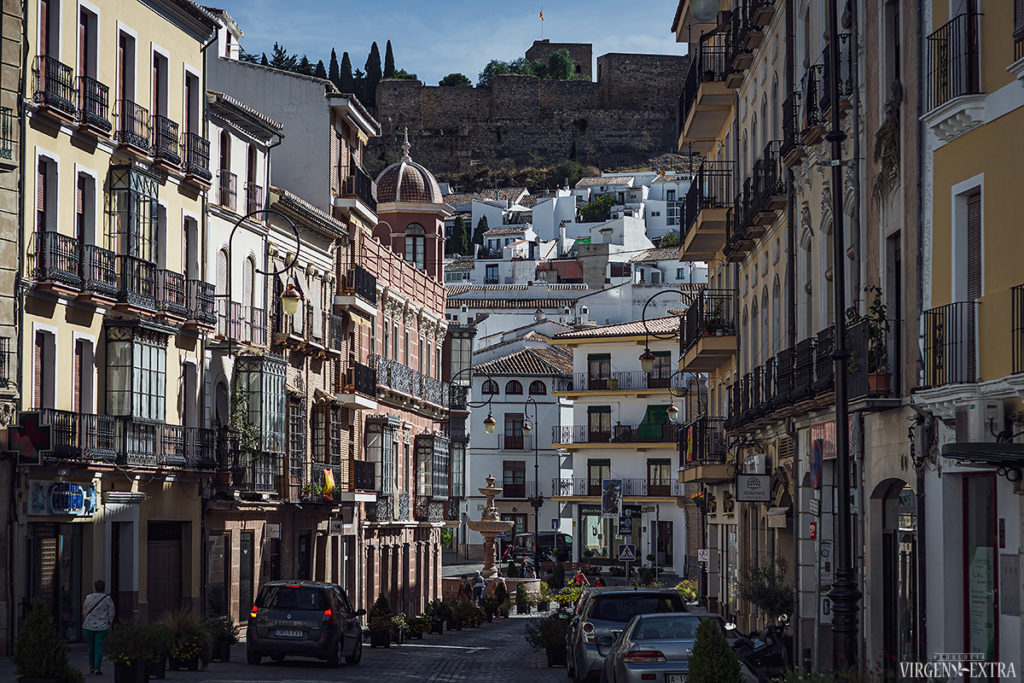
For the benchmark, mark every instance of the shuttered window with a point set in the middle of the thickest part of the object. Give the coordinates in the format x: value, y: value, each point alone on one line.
x: 39, y: 356
x: 76, y: 396
x: 974, y: 247
x: 80, y: 208
x: 41, y: 195
x: 1018, y: 19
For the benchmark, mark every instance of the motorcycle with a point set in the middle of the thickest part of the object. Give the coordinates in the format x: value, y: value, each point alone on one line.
x: 764, y: 652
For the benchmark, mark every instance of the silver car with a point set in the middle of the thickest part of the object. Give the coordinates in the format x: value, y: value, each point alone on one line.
x: 656, y: 647
x: 604, y: 612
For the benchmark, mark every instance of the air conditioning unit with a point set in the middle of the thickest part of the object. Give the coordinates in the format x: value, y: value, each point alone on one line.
x: 979, y: 421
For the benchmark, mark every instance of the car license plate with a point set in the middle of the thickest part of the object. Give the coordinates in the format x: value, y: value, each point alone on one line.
x: 675, y: 678
x: 285, y: 633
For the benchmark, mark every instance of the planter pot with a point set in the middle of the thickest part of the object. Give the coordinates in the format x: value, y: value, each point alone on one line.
x: 157, y: 667
x: 522, y: 609
x: 398, y: 637
x: 543, y: 605
x: 191, y: 664
x: 380, y: 639
x: 878, y: 382
x: 222, y: 651
x: 556, y: 655
x: 130, y: 673
x: 490, y: 617
x: 437, y: 626
x: 454, y: 625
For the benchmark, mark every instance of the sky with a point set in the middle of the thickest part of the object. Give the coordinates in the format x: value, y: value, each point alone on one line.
x: 432, y: 39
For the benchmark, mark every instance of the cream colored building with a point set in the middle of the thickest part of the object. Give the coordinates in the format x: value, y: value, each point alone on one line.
x: 116, y: 305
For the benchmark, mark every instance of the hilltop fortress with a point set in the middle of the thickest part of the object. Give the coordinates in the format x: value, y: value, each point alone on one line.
x: 629, y: 113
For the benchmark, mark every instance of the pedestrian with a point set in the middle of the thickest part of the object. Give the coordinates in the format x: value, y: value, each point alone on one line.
x: 529, y: 571
x: 599, y: 581
x: 464, y: 590
x: 478, y: 584
x: 580, y: 579
x: 97, y: 616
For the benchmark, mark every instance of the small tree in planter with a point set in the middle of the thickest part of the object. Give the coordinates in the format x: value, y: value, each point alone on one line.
x: 39, y: 653
x: 549, y: 634
x: 418, y: 626
x: 504, y: 603
x: 712, y: 660
x: 522, y: 600
x: 437, y: 614
x: 399, y: 628
x: 765, y: 587
x: 380, y: 623
x: 130, y: 647
x: 223, y: 634
x: 544, y: 601
x: 189, y: 640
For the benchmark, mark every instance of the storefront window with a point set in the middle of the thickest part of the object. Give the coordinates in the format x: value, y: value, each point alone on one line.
x: 604, y: 536
x: 980, y: 565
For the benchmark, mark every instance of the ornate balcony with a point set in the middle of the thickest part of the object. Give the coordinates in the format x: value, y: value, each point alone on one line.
x: 58, y: 259
x: 812, y: 118
x: 358, y: 191
x: 94, y: 105
x: 401, y: 379
x: 165, y: 141
x: 197, y: 158
x: 706, y: 101
x: 55, y: 87
x: 705, y: 210
x: 8, y: 363
x: 358, y: 290
x: 951, y: 344
x: 136, y: 282
x: 357, y: 387
x: 201, y: 306
x: 171, y: 297
x: 709, y: 330
x: 792, y: 149
x: 133, y: 126
x: 6, y: 138
x: 703, y: 451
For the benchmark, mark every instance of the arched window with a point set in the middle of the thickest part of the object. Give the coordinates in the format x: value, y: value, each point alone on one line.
x: 764, y: 324
x: 765, y: 134
x: 514, y: 388
x: 248, y: 281
x: 829, y: 276
x: 744, y: 342
x: 490, y: 388
x: 415, y: 245
x: 776, y: 316
x: 753, y: 333
x: 538, y: 388
x: 776, y: 131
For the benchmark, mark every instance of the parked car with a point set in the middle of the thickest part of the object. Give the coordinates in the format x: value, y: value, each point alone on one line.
x: 656, y: 647
x: 605, y: 612
x: 548, y: 541
x: 304, y: 618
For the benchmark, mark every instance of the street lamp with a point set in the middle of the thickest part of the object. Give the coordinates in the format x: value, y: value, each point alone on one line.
x: 489, y: 423
x: 290, y: 300
x: 536, y: 500
x: 647, y: 358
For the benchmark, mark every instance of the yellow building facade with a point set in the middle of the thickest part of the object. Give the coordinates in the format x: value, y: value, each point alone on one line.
x: 115, y: 305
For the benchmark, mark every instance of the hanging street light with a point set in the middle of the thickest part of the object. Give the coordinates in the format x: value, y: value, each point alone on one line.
x: 290, y: 300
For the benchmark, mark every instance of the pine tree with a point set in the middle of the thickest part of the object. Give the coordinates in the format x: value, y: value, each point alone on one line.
x: 373, y: 74
x: 280, y: 59
x: 333, y: 72
x: 263, y: 60
x: 712, y: 660
x: 481, y: 228
x: 389, y: 62
x: 346, y: 83
x: 319, y: 71
x: 304, y: 67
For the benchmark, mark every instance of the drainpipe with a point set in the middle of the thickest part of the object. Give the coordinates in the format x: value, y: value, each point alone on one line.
x: 922, y: 584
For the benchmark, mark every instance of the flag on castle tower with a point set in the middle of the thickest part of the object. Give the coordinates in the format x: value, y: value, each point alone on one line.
x: 542, y: 14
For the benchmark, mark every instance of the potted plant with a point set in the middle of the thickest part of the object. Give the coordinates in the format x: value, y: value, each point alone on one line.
x: 39, y: 653
x: 568, y: 596
x: 522, y: 600
x: 223, y: 634
x: 687, y: 590
x: 504, y: 602
x: 380, y: 623
x: 878, y: 352
x: 159, y: 637
x: 712, y: 659
x: 489, y: 604
x: 549, y: 634
x: 544, y: 599
x: 189, y: 641
x: 418, y: 626
x: 699, y: 499
x: 129, y: 647
x: 399, y: 628
x: 437, y: 614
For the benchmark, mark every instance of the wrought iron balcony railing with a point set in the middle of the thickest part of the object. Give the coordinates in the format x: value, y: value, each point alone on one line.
x: 253, y: 197
x: 197, y: 156
x: 954, y: 64
x: 226, y: 185
x: 708, y: 64
x: 99, y: 270
x: 136, y: 281
x: 165, y: 140
x: 711, y: 188
x: 6, y: 134
x: 201, y: 306
x: 133, y: 125
x: 58, y: 258
x: 579, y: 487
x: 8, y: 360
x: 171, y: 293
x: 702, y: 442
x: 619, y: 433
x: 812, y: 116
x: 845, y: 73
x: 791, y: 128
x: 515, y: 442
x: 713, y: 313
x: 94, y: 104
x: 363, y: 475
x: 360, y: 185
x: 951, y: 344
x: 359, y: 378
x: 359, y: 281
x: 511, y: 488
x: 403, y: 379
x: 626, y: 380
x: 55, y: 85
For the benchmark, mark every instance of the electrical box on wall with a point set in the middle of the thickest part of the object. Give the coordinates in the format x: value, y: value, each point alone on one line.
x: 979, y: 421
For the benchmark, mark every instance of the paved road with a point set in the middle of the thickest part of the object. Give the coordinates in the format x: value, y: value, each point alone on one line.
x: 491, y: 653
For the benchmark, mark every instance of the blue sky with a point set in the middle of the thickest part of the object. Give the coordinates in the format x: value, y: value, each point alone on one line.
x: 432, y: 38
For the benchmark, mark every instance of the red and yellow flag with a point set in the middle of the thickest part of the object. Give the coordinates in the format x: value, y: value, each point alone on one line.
x: 542, y: 14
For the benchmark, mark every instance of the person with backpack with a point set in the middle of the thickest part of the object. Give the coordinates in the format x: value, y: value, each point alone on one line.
x: 478, y: 584
x: 98, y: 614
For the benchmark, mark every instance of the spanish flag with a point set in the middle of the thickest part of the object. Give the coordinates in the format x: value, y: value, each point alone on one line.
x: 542, y: 14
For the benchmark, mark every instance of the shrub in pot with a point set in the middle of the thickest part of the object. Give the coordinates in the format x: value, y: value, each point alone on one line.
x: 223, y: 634
x: 399, y: 628
x: 129, y: 647
x: 437, y: 613
x: 549, y: 634
x: 522, y: 600
x: 544, y: 601
x: 712, y: 660
x: 189, y: 641
x: 418, y: 626
x: 380, y: 623
x: 39, y: 653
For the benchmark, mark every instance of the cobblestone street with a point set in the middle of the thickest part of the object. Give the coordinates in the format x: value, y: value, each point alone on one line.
x: 491, y: 653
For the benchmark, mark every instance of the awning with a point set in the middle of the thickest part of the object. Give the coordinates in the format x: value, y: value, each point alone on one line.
x: 1004, y: 456
x: 777, y: 517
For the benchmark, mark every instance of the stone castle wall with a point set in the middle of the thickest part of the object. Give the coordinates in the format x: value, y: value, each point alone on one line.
x: 629, y: 114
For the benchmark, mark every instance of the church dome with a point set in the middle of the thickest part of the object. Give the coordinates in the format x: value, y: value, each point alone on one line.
x: 407, y: 181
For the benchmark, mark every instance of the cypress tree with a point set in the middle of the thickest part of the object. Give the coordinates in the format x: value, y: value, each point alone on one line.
x: 345, y: 81
x: 712, y: 660
x: 481, y: 228
x: 263, y: 60
x: 280, y: 59
x: 373, y: 74
x: 389, y: 62
x: 319, y: 71
x: 304, y: 67
x: 333, y: 72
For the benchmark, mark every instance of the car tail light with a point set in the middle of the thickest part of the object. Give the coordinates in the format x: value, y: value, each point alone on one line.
x: 645, y: 656
x: 589, y: 633
x: 328, y: 617
x: 252, y: 612
x: 648, y: 677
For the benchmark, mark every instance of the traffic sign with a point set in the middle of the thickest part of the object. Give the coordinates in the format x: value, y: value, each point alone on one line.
x: 627, y: 553
x: 703, y: 555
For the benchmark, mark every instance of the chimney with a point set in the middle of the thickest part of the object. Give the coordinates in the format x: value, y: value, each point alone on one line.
x: 561, y: 239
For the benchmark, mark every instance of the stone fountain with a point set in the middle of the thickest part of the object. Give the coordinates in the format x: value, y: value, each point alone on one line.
x: 489, y: 526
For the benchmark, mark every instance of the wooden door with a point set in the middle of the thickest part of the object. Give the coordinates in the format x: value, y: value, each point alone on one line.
x: 163, y: 584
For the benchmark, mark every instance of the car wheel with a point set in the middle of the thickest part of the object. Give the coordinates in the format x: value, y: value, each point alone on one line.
x: 334, y: 656
x: 252, y: 656
x: 356, y: 656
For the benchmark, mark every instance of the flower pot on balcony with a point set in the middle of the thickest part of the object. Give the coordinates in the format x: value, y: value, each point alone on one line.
x: 878, y: 382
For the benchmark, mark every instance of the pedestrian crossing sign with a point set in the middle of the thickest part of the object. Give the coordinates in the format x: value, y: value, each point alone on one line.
x: 627, y: 553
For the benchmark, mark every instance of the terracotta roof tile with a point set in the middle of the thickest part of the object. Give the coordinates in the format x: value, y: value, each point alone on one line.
x: 631, y: 329
x: 605, y: 180
x: 503, y: 194
x: 662, y: 254
x: 530, y: 362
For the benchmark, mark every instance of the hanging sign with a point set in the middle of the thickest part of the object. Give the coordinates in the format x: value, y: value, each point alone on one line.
x: 61, y: 498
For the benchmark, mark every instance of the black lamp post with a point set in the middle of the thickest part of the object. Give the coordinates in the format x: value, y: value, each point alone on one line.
x: 647, y: 358
x: 536, y: 500
x: 844, y: 593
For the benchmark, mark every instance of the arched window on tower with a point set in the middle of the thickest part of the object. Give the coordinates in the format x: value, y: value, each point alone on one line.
x: 415, y: 245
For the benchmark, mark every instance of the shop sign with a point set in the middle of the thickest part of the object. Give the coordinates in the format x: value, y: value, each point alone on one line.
x: 753, y: 488
x: 61, y: 498
x: 625, y: 526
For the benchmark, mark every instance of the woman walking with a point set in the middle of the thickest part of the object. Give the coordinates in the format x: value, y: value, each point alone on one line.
x: 97, y: 616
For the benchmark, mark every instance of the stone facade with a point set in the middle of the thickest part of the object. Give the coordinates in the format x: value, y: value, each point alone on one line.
x: 629, y: 114
x: 581, y: 53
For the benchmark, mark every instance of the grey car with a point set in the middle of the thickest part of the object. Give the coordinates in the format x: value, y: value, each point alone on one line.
x: 304, y: 618
x: 603, y: 612
x: 656, y: 647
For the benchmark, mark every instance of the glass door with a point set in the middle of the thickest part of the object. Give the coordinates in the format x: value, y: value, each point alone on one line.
x: 981, y: 633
